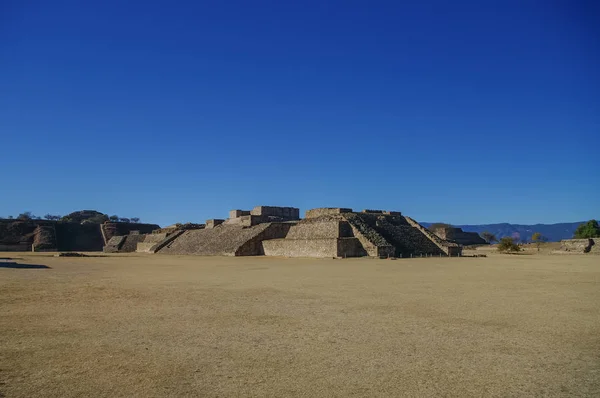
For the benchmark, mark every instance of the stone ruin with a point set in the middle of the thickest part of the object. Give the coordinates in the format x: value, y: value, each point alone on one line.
x: 459, y: 236
x: 262, y: 214
x: 279, y: 231
x: 580, y: 246
x: 51, y: 235
x: 341, y: 232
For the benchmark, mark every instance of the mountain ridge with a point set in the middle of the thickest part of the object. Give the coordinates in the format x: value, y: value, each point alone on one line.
x: 523, y: 232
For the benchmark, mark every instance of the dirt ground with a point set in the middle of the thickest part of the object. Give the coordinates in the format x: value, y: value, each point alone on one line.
x: 155, y: 325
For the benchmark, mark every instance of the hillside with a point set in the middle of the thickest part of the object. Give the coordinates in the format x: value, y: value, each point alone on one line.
x: 554, y: 232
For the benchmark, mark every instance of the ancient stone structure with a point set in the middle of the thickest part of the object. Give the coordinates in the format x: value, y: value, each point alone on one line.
x: 580, y: 246
x: 262, y: 214
x: 110, y: 229
x: 325, y: 232
x: 44, y: 238
x: 321, y: 236
x: 213, y: 223
x: 325, y: 211
x: 151, y: 242
x: 50, y: 235
x: 459, y: 236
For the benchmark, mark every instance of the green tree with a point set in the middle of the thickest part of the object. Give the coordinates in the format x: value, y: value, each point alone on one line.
x: 507, y: 244
x: 586, y: 230
x: 114, y: 218
x: 538, y: 239
x: 135, y: 219
x: 25, y: 216
x: 489, y: 237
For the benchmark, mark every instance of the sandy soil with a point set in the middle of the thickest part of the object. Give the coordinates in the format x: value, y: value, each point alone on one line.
x: 153, y: 326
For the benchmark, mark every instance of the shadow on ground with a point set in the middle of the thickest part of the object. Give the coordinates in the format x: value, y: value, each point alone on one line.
x: 23, y: 266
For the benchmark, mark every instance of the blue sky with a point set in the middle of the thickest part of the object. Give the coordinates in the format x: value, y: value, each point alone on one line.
x: 464, y: 112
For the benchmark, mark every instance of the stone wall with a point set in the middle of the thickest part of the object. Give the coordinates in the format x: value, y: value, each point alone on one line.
x: 249, y: 220
x: 213, y: 222
x: 459, y: 236
x: 254, y: 247
x: 581, y: 245
x: 156, y: 241
x: 79, y: 237
x: 131, y: 242
x: 326, y: 229
x: 114, y: 244
x: 336, y: 247
x: 300, y: 247
x: 111, y: 229
x: 44, y: 238
x: 262, y: 214
x: 325, y: 211
x: 285, y: 213
x: 350, y: 247
x: 18, y: 235
x: 238, y: 213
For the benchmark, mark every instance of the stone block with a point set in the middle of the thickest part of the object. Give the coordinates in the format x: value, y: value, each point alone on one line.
x: 284, y: 213
x: 250, y: 220
x: 238, y: 213
x: 324, y: 211
x: 213, y: 223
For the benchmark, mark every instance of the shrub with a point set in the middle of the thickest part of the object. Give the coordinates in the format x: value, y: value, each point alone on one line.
x: 507, y: 244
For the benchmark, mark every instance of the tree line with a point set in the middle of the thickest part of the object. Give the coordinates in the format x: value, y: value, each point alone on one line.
x: 99, y: 219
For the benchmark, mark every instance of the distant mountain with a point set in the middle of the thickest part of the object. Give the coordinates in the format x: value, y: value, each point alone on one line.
x: 553, y: 232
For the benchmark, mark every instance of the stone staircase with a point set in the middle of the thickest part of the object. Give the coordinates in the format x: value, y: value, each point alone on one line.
x: 407, y: 240
x: 449, y: 248
x: 374, y: 244
x: 225, y: 240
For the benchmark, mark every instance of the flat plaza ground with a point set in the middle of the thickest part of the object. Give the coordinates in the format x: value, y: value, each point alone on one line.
x: 155, y: 325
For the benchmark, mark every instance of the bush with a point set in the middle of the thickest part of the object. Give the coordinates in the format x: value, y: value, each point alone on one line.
x: 507, y: 244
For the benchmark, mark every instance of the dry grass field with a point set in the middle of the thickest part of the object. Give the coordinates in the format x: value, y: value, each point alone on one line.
x: 155, y: 326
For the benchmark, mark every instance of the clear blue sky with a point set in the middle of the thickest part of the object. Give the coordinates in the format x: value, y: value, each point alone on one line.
x: 464, y: 112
